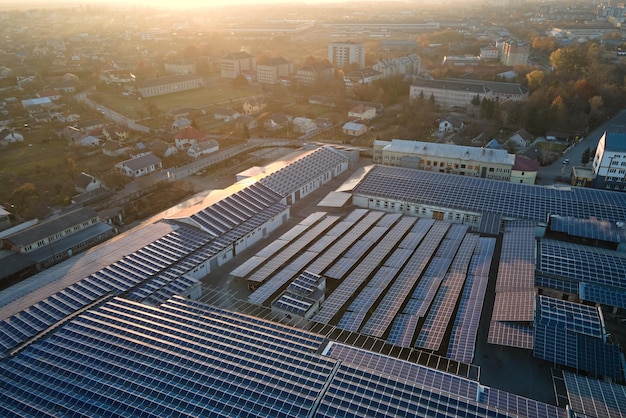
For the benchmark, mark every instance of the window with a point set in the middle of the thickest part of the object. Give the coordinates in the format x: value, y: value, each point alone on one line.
x: 491, y: 169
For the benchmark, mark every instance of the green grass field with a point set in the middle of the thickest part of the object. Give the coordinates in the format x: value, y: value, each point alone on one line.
x: 130, y: 106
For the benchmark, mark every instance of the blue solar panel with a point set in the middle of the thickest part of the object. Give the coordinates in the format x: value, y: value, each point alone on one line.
x: 603, y: 295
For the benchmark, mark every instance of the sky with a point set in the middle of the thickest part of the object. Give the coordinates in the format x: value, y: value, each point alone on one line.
x: 165, y: 4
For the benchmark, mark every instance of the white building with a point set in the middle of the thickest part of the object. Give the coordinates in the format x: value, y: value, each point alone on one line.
x: 140, y: 166
x: 445, y: 158
x: 203, y: 148
x: 343, y: 53
x: 609, y: 163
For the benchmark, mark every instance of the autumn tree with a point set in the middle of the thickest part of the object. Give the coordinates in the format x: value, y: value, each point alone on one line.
x: 535, y: 79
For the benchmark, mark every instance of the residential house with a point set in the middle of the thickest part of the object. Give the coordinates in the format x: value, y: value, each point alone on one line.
x: 271, y: 70
x: 140, y: 165
x: 188, y: 137
x: 362, y: 76
x: 203, y: 148
x: 451, y: 124
x: 10, y: 136
x: 114, y: 148
x: 362, y: 112
x: 50, y: 93
x: 116, y: 132
x: 72, y: 134
x: 90, y: 124
x: 354, y: 129
x: 514, y: 53
x: 181, y: 123
x: 494, y: 144
x: 170, y: 84
x: 246, y: 122
x: 524, y: 170
x: 117, y: 77
x: 520, y: 139
x: 163, y: 149
x: 276, y: 122
x: 316, y: 73
x: 87, y: 141
x: 253, y: 106
x: 227, y: 115
x: 304, y: 125
x: 86, y: 183
x: 67, y: 83
x: 234, y: 64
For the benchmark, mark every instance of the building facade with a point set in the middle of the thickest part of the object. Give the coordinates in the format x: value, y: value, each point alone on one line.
x: 271, y: 70
x: 316, y: 73
x: 341, y: 54
x: 514, y: 53
x: 234, y: 64
x: 449, y: 93
x: 609, y: 163
x: 170, y: 84
x: 445, y: 158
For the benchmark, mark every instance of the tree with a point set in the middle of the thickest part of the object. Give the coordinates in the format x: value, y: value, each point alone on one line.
x: 535, y: 79
x: 476, y: 100
x: 431, y: 101
x: 70, y: 164
x: 586, y: 157
x: 240, y: 81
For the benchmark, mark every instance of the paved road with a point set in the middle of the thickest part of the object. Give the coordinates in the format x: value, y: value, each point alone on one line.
x: 557, y: 171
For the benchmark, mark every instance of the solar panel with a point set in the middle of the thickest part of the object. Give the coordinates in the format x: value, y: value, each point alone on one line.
x: 583, y: 263
x: 594, y: 398
x: 514, y: 306
x: 517, y: 201
x: 591, y: 228
x: 392, y: 302
x: 511, y: 334
x: 465, y: 329
x: 333, y: 304
x: 281, y: 258
x: 603, y: 295
x: 438, y: 319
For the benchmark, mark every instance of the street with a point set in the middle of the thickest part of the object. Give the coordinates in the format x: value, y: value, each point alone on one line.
x: 551, y: 173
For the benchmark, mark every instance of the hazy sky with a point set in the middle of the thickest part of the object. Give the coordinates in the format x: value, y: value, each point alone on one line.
x: 166, y: 4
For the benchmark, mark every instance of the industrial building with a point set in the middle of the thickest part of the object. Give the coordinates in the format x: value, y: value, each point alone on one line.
x: 369, y: 304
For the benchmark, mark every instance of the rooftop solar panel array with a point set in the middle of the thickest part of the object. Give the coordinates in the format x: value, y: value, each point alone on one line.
x: 350, y: 284
x: 187, y: 359
x: 294, y: 176
x: 436, y: 323
x: 278, y: 260
x: 147, y: 265
x: 579, y: 262
x: 127, y: 359
x: 517, y: 201
x: 400, y: 290
x: 465, y: 329
x: 339, y: 247
x: 235, y: 210
x: 357, y: 251
x: 515, y: 287
x: 572, y: 334
x: 602, y: 295
x: 595, y: 274
x: 592, y: 228
x: 564, y: 285
x: 594, y: 398
x: 277, y: 245
x: 378, y: 385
